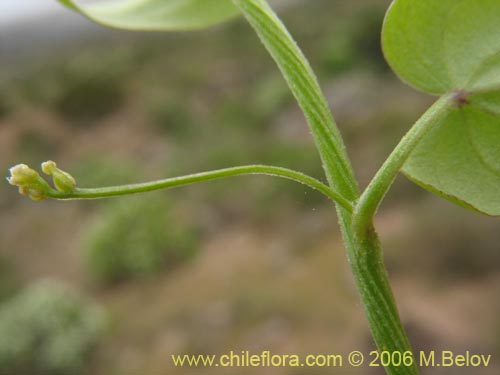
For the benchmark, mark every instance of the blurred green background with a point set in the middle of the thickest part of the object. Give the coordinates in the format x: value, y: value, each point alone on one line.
x: 251, y: 263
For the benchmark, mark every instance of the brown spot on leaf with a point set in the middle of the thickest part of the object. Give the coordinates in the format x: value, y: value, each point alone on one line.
x: 461, y: 97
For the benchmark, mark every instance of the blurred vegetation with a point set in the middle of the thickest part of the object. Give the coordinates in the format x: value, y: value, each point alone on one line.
x: 357, y: 45
x: 83, y: 94
x: 4, y: 107
x: 34, y: 145
x: 137, y: 237
x: 453, y: 242
x: 173, y: 119
x: 47, y: 329
x: 96, y: 170
x: 81, y: 90
x: 9, y: 284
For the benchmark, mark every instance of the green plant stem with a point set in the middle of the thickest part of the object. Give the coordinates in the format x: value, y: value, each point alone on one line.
x: 366, y: 259
x: 305, y: 88
x: 104, y: 192
x: 363, y: 251
x: 373, y: 195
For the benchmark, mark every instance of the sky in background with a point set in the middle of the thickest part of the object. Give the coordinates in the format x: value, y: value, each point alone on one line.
x: 18, y: 11
x: 33, y: 27
x: 22, y: 10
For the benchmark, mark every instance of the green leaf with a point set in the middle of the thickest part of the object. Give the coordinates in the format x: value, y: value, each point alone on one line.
x: 157, y: 15
x: 453, y: 46
x: 488, y: 102
x: 460, y: 160
x: 442, y: 45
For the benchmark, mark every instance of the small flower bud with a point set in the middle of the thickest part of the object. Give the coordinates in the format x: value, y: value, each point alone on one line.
x: 63, y: 181
x: 22, y: 174
x: 29, y: 182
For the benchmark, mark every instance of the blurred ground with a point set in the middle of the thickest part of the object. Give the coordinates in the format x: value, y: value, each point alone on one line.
x: 245, y: 264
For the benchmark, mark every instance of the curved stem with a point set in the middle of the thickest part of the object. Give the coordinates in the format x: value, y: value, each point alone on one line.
x: 80, y: 193
x: 375, y: 192
x: 304, y: 86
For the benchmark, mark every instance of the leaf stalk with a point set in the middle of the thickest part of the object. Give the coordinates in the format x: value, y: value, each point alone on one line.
x: 373, y: 195
x: 112, y: 191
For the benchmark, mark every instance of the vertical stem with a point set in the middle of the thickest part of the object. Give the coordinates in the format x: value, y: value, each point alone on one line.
x: 363, y: 251
x: 366, y: 260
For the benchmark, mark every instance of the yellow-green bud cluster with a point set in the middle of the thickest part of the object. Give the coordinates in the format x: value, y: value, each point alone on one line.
x: 29, y: 182
x: 63, y: 181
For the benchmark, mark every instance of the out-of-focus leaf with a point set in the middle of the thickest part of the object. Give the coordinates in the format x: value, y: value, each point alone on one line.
x: 156, y: 15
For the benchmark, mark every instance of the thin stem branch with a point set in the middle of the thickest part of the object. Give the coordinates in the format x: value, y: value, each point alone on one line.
x: 103, y: 192
x: 375, y: 192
